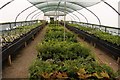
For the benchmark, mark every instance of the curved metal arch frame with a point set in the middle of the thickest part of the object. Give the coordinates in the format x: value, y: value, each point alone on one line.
x: 35, y: 15
x: 94, y: 13
x: 86, y: 9
x: 111, y: 7
x: 105, y: 3
x: 40, y: 14
x: 60, y: 2
x: 69, y: 11
x: 70, y: 2
x: 25, y: 10
x: 6, y: 4
x: 22, y: 12
x: 76, y: 11
x: 41, y: 2
x: 33, y: 6
x: 83, y: 16
x: 52, y: 5
x: 30, y: 14
x: 55, y: 6
x: 67, y: 14
x: 90, y: 12
x: 61, y: 11
x: 76, y: 17
x: 71, y: 17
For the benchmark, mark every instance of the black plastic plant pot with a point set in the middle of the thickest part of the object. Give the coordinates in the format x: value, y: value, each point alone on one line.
x: 113, y: 49
x: 114, y: 44
x: 18, y: 43
x: 6, y: 45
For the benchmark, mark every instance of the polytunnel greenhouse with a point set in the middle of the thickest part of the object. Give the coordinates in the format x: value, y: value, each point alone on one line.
x: 60, y: 39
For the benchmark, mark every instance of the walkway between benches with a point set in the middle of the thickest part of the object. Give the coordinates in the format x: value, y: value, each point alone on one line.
x: 101, y: 56
x: 20, y: 65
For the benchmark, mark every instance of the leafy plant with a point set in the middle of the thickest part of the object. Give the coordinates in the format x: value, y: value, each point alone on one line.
x: 10, y: 35
x: 69, y: 69
x: 58, y: 59
x: 114, y: 39
x: 57, y: 33
x: 63, y: 50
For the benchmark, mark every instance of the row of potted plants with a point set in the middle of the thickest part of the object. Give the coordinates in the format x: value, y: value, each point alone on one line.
x: 56, y: 33
x: 70, y: 69
x: 114, y: 39
x: 10, y: 35
x: 63, y: 60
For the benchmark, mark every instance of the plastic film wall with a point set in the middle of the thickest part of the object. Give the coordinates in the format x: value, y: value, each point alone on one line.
x: 74, y: 9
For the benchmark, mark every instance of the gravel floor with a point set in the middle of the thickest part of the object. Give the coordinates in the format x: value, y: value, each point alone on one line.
x: 101, y: 56
x: 20, y: 65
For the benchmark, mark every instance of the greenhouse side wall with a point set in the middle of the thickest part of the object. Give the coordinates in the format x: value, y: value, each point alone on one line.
x: 119, y: 24
x: 119, y: 15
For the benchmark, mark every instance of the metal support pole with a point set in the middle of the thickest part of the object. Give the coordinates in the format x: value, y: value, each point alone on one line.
x: 58, y: 17
x: 9, y: 60
x: 64, y: 17
x: 10, y: 26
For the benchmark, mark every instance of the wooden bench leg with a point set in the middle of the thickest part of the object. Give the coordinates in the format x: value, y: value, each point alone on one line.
x: 91, y: 43
x: 9, y: 60
x: 25, y: 44
x: 84, y: 38
x: 33, y: 37
x: 118, y: 60
x: 94, y: 44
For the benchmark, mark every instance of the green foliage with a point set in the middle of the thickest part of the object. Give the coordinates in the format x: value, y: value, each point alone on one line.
x: 106, y: 36
x: 57, y: 33
x: 61, y: 50
x: 58, y: 59
x: 73, y: 69
x: 10, y: 36
x: 100, y: 34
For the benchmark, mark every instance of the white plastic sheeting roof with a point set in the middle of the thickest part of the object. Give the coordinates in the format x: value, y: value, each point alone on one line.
x: 60, y: 5
x: 105, y: 13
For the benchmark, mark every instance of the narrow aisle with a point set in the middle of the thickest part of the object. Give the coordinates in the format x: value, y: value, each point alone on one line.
x: 101, y: 56
x: 20, y: 66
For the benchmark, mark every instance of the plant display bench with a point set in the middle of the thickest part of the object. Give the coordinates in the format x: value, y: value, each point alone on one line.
x: 113, y: 49
x: 18, y: 43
